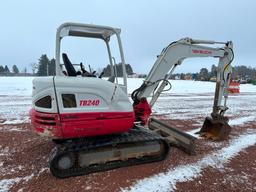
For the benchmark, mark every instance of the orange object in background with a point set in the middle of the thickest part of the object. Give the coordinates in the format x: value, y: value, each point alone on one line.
x: 234, y: 87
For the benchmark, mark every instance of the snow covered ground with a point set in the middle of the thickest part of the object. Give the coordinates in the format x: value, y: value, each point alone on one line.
x: 15, y: 99
x: 16, y: 86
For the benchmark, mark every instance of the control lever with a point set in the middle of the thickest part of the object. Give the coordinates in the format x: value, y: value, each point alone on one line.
x: 101, y: 74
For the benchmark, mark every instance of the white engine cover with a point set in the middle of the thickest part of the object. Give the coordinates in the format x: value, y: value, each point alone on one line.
x: 91, y: 94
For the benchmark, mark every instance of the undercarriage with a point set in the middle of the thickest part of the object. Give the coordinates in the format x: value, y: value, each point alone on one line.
x: 84, y: 156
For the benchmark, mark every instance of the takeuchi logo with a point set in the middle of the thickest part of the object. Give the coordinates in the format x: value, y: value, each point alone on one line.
x: 198, y: 51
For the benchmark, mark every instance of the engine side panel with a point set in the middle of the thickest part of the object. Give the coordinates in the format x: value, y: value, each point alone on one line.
x: 95, y: 123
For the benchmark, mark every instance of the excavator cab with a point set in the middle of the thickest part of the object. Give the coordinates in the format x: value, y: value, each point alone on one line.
x: 79, y: 103
x: 109, y: 51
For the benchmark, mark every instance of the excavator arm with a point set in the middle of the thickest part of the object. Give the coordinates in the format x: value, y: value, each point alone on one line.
x: 172, y: 56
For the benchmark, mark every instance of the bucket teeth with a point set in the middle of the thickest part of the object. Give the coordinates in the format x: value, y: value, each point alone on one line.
x: 209, y: 135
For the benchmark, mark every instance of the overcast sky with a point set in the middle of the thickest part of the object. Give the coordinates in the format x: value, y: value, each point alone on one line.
x: 28, y: 28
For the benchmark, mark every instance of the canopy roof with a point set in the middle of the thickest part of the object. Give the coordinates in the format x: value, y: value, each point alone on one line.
x: 86, y: 30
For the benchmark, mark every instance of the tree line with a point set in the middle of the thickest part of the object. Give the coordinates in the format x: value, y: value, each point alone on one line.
x: 4, y: 70
x: 46, y: 67
x: 241, y: 72
x: 118, y: 70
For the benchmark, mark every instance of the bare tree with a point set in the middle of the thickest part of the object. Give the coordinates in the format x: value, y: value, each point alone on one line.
x: 34, y: 67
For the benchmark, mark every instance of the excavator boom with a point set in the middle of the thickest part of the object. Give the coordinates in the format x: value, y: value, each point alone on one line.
x: 216, y: 126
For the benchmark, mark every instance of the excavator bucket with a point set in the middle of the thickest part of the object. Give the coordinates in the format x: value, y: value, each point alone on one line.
x: 215, y: 129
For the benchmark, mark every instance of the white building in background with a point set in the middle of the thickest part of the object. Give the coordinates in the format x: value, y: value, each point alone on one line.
x: 134, y: 75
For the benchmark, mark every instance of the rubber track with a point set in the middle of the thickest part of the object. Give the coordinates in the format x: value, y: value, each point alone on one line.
x: 137, y: 135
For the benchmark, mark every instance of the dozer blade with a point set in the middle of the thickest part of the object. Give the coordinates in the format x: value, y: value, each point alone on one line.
x: 173, y: 136
x: 215, y: 129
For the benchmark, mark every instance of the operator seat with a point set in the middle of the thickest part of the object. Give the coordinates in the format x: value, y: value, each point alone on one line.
x: 68, y: 65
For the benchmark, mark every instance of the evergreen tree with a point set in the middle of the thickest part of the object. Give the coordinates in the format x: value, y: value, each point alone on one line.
x: 6, y: 69
x: 1, y: 69
x: 129, y: 70
x: 214, y: 71
x: 107, y: 71
x: 15, y: 69
x: 42, y: 65
x: 51, y: 68
x: 204, y: 74
x: 119, y: 70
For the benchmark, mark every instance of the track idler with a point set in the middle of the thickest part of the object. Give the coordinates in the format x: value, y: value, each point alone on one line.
x: 216, y: 129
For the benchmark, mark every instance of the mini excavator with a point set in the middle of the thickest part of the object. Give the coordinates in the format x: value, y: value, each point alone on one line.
x: 92, y: 120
